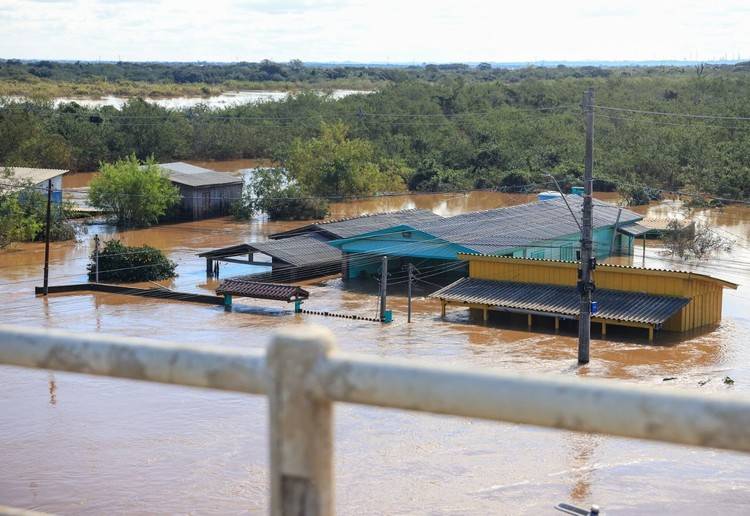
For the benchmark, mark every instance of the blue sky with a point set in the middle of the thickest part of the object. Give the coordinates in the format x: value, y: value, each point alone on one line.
x: 382, y: 30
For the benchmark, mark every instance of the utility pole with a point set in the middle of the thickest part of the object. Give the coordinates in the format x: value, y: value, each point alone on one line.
x: 411, y: 275
x: 46, y: 237
x: 96, y: 257
x: 585, y: 285
x: 383, y: 286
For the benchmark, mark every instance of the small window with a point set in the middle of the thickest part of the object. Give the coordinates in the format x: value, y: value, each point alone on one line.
x: 578, y: 255
x: 406, y: 234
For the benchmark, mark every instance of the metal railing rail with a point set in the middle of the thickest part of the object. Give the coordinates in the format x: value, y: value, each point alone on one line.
x: 303, y: 374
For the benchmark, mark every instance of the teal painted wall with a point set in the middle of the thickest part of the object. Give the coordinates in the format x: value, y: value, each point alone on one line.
x: 565, y: 248
x: 402, y: 244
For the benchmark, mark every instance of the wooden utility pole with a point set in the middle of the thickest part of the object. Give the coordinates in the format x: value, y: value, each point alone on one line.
x: 411, y: 275
x: 383, y: 286
x: 46, y: 237
x: 585, y: 285
x: 96, y: 257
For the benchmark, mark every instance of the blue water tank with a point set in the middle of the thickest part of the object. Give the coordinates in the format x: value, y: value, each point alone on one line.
x: 548, y: 196
x: 577, y: 190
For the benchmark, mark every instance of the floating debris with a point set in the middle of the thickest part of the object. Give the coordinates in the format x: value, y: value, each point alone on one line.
x: 704, y: 382
x: 668, y: 378
x: 728, y: 380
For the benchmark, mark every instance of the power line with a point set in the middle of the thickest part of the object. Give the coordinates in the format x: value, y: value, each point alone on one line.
x: 665, y: 113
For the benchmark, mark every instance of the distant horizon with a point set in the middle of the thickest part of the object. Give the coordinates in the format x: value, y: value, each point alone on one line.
x: 613, y: 63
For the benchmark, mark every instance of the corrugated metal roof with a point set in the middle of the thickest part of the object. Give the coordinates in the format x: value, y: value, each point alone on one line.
x: 635, y: 229
x: 614, y: 305
x: 35, y: 175
x: 190, y: 175
x: 502, y: 229
x: 276, y: 292
x: 298, y: 251
x: 349, y: 227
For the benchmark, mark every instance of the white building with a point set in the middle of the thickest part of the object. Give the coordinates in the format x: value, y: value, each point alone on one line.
x: 39, y: 177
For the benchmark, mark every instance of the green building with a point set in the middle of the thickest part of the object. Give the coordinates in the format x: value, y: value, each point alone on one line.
x: 543, y: 229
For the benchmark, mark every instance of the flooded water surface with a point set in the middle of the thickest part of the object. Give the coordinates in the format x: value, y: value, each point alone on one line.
x: 223, y: 100
x: 74, y: 444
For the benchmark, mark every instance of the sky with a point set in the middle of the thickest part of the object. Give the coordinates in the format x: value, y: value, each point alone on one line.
x: 394, y: 31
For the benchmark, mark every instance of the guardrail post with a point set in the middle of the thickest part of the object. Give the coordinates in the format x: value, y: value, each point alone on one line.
x: 300, y: 424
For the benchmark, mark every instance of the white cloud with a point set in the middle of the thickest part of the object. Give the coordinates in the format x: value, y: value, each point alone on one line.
x: 385, y: 30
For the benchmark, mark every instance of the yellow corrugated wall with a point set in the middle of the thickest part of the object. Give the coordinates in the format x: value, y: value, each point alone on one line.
x: 705, y: 295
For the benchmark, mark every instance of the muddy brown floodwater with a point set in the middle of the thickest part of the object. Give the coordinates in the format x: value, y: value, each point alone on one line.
x: 73, y: 444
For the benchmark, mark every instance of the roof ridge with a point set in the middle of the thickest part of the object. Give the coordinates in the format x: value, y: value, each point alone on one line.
x: 355, y: 217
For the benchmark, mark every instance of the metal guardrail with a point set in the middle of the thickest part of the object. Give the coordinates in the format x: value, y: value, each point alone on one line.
x: 303, y: 374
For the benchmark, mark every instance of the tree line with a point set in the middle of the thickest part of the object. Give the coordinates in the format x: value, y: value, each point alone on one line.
x: 450, y: 133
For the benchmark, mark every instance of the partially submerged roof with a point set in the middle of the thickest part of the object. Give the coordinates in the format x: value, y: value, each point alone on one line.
x: 349, y: 227
x: 190, y: 175
x: 258, y: 290
x: 35, y: 175
x: 504, y: 229
x: 500, y: 230
x: 635, y: 229
x: 299, y: 251
x: 563, y: 301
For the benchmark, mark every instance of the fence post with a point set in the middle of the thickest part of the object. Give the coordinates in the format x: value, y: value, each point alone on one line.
x: 300, y: 424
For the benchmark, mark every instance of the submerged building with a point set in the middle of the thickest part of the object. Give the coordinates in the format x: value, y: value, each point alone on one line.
x: 654, y: 299
x: 39, y: 178
x: 204, y: 193
x: 541, y: 230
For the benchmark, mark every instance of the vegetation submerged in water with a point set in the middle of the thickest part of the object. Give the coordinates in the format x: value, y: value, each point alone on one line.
x: 23, y: 212
x: 443, y: 128
x: 119, y: 262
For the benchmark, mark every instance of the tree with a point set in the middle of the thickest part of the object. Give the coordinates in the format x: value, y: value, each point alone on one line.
x: 335, y: 165
x: 134, y: 194
x: 271, y: 191
x: 119, y: 262
x: 23, y: 211
x: 694, y: 240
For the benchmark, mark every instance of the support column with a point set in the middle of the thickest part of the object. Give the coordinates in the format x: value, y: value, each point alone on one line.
x: 650, y: 333
x: 209, y: 267
x: 485, y: 314
x: 557, y: 324
x: 442, y: 309
x: 528, y: 320
x: 300, y: 424
x: 345, y: 266
x: 604, y: 329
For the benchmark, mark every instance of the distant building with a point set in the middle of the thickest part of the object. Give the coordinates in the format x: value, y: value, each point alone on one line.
x: 39, y: 177
x: 542, y: 230
x: 205, y: 193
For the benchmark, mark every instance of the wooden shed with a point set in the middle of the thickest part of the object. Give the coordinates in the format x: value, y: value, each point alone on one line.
x: 656, y: 298
x: 205, y: 193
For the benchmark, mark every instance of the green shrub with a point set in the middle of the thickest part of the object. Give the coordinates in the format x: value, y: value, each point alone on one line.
x: 119, y: 262
x: 23, y: 213
x: 134, y: 195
